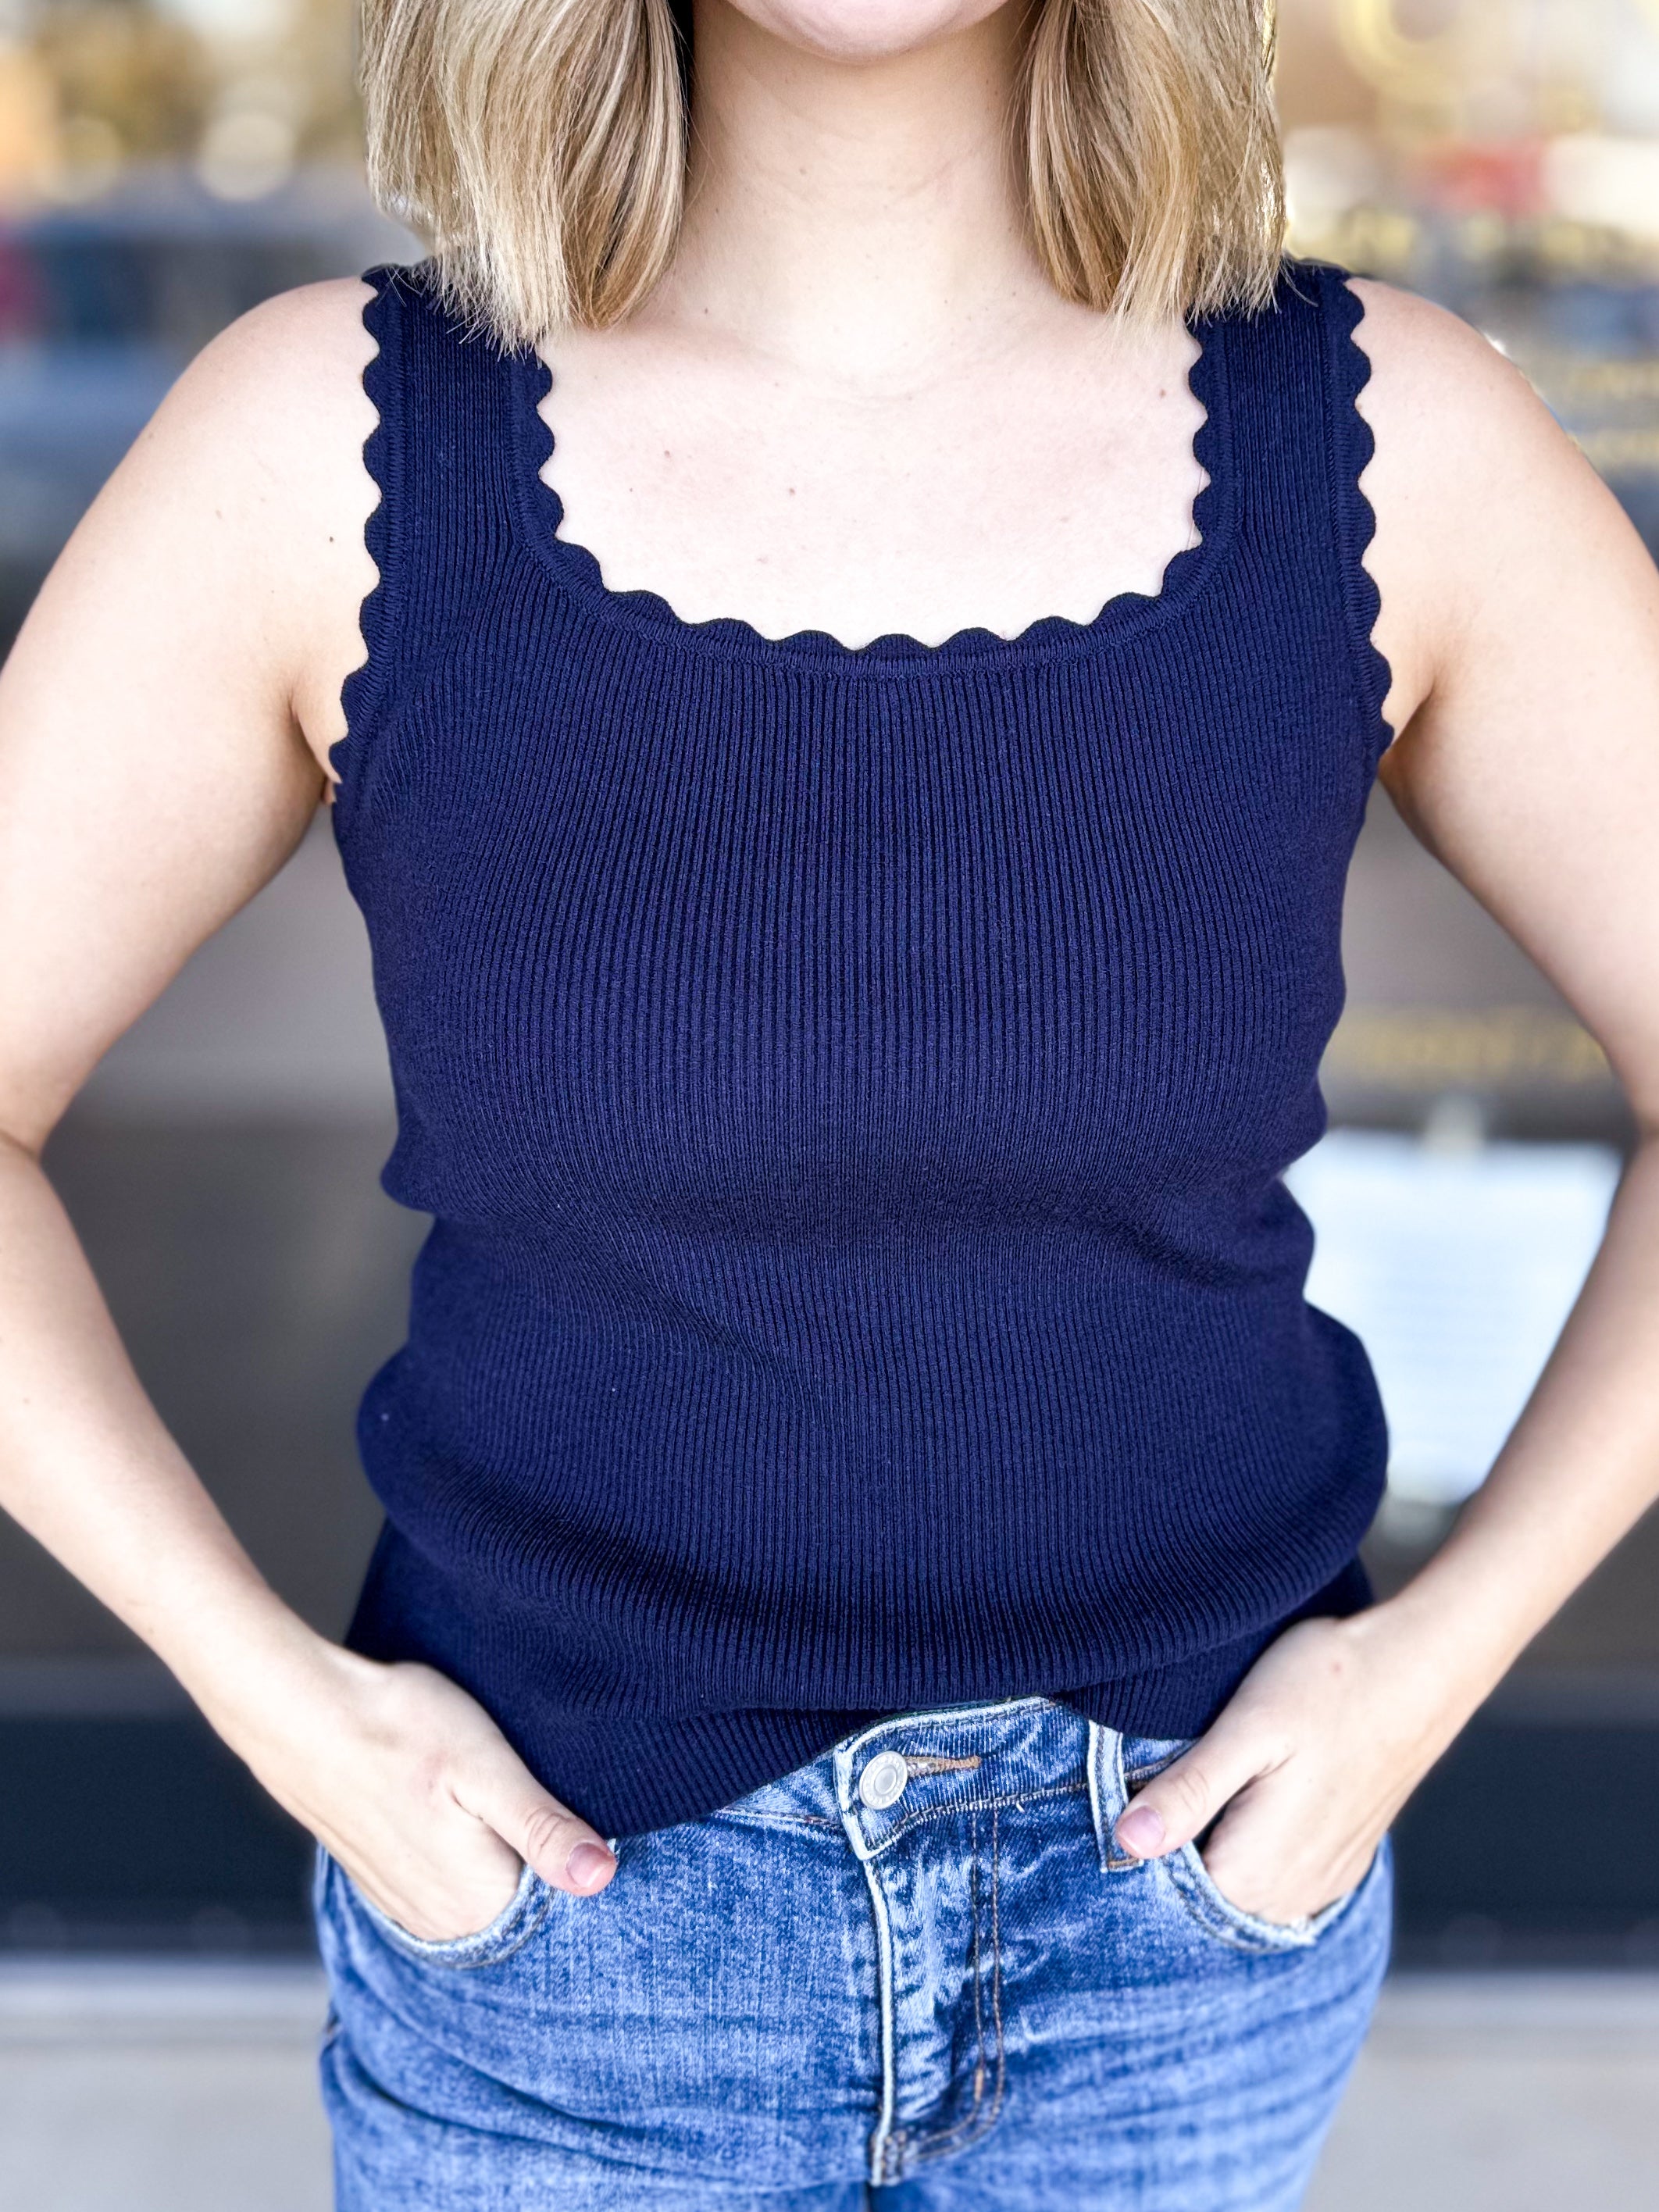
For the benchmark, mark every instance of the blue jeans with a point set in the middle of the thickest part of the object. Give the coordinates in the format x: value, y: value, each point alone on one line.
x: 913, y: 1975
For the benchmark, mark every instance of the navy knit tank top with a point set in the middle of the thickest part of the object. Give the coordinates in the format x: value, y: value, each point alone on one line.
x: 852, y: 1090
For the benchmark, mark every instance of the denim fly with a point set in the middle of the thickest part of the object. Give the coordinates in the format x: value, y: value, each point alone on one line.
x: 914, y: 1974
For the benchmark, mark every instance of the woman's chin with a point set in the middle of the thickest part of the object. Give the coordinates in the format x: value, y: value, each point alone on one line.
x: 856, y: 31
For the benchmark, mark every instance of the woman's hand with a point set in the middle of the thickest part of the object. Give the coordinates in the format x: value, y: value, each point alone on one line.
x: 411, y: 1785
x: 1320, y: 1747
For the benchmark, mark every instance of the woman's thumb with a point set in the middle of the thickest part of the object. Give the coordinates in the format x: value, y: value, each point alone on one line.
x: 1180, y: 1803
x: 560, y: 1846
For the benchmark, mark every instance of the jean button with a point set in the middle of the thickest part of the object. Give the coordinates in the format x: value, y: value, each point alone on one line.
x: 882, y: 1782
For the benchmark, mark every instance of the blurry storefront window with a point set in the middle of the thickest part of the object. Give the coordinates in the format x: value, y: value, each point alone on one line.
x: 1456, y: 1260
x: 164, y: 166
x: 1501, y: 156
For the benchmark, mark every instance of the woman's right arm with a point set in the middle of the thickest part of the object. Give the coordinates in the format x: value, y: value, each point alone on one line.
x: 165, y: 718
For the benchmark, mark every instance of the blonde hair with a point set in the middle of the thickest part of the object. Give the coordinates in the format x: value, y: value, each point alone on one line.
x: 540, y: 145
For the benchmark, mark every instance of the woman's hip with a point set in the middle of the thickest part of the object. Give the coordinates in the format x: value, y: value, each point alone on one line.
x: 915, y: 1963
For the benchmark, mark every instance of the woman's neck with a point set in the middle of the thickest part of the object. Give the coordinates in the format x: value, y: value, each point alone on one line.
x: 857, y: 218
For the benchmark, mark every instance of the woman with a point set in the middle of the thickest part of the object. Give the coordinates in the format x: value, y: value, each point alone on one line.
x: 869, y: 696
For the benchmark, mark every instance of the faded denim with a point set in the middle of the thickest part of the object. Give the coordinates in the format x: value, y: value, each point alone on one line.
x: 963, y: 1998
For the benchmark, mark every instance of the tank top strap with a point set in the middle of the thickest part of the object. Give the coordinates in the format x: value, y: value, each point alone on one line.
x: 441, y: 454
x: 1301, y: 445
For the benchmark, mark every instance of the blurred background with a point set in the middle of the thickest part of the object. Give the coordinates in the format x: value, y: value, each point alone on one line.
x: 165, y: 164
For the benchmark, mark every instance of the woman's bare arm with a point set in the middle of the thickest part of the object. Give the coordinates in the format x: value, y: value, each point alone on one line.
x: 1521, y: 614
x: 1532, y: 772
x: 164, y: 723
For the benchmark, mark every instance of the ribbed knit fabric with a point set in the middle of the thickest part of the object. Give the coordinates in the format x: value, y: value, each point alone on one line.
x: 851, y: 1088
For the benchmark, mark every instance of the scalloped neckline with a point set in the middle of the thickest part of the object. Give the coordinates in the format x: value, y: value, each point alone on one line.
x: 541, y: 513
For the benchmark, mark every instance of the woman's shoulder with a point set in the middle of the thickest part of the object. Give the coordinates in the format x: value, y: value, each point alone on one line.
x: 1437, y: 392
x: 267, y: 422
x: 1471, y: 475
x: 1443, y: 390
x: 258, y: 449
x: 283, y: 372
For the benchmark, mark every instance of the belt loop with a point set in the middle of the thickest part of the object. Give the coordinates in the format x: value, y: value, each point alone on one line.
x: 1108, y: 1793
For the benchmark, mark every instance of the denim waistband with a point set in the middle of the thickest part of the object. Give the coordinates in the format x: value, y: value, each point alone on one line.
x: 888, y: 1778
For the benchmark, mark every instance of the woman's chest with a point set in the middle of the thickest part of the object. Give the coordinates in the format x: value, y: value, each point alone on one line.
x: 977, y: 501
x: 921, y: 942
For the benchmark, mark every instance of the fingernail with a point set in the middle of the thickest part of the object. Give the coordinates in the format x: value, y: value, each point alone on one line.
x: 588, y: 1865
x: 1141, y: 1831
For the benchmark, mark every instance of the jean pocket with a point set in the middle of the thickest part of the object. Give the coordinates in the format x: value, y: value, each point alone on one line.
x: 1141, y: 1756
x: 1219, y: 1916
x: 512, y: 1926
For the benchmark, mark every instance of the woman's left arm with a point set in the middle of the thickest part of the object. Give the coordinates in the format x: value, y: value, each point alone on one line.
x: 1521, y: 618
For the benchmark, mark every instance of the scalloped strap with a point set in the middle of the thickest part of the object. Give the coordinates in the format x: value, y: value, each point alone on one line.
x: 441, y: 455
x: 382, y: 458
x: 1353, y: 446
x: 1302, y: 446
